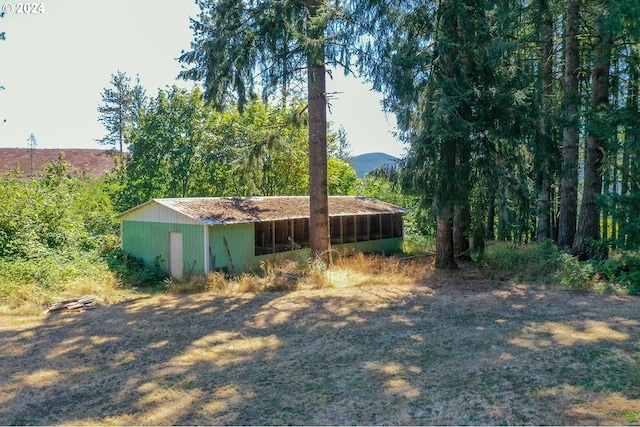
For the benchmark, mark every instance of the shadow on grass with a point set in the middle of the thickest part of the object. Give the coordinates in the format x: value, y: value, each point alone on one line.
x: 474, y: 353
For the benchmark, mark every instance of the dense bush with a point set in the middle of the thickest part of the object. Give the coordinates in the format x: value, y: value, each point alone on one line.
x: 54, y: 230
x: 623, y: 271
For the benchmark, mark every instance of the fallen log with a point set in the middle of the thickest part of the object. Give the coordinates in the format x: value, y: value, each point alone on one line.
x: 71, y: 304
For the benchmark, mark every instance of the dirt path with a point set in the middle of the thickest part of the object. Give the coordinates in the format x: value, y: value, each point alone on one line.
x: 469, y: 352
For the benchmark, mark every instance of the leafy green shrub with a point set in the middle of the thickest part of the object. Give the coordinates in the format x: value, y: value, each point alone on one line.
x: 56, y: 236
x: 132, y: 271
x: 623, y: 270
x: 574, y: 273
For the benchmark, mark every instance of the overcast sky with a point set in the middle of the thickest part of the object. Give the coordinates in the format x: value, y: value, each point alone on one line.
x: 55, y: 64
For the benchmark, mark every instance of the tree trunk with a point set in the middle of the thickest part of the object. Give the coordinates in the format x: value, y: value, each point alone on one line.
x: 317, y: 109
x: 444, y: 241
x: 461, y: 220
x: 504, y: 214
x: 631, y: 133
x: 569, y: 168
x: 544, y: 211
x: 545, y: 149
x: 462, y: 209
x: 589, y: 220
x: 444, y: 203
x: 491, y: 213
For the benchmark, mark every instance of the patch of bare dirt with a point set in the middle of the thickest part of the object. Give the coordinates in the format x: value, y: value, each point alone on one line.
x: 91, y: 162
x: 463, y: 351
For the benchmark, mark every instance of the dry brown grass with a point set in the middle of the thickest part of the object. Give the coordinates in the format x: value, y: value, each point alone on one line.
x: 388, y: 343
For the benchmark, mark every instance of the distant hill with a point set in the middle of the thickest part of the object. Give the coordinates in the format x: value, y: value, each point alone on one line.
x: 365, y: 163
x: 89, y: 161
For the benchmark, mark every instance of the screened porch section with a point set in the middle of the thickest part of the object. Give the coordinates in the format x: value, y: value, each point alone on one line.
x: 292, y: 234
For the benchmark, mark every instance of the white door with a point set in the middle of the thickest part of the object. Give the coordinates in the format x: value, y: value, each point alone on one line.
x: 175, y: 255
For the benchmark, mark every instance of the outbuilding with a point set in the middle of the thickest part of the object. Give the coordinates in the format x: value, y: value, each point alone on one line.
x: 185, y: 236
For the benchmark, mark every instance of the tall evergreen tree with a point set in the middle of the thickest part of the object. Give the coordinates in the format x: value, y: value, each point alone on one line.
x: 588, y: 229
x: 570, y: 133
x: 441, y: 73
x: 120, y: 109
x: 545, y: 145
x: 240, y: 45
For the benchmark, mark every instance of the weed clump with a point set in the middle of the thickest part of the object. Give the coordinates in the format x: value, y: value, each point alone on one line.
x: 619, y: 273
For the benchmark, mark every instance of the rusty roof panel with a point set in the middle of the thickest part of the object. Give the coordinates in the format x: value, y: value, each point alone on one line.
x: 231, y: 210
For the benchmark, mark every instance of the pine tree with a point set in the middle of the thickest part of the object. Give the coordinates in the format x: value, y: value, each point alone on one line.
x: 32, y: 143
x: 545, y: 148
x: 240, y: 45
x: 441, y: 71
x: 120, y: 109
x: 571, y: 102
x: 588, y: 230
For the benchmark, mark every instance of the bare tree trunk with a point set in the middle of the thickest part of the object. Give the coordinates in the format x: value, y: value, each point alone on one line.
x: 491, y: 213
x: 544, y: 211
x: 461, y: 219
x: 589, y: 220
x: 317, y: 108
x: 444, y: 241
x: 569, y: 168
x: 631, y: 134
x: 545, y: 149
x: 462, y: 209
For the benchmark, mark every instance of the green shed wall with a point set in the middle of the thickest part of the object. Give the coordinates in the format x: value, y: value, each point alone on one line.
x: 386, y: 246
x: 148, y: 240
x: 240, y: 239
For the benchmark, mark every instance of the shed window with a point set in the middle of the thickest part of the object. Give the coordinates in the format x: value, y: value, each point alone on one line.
x: 290, y: 234
x: 282, y: 235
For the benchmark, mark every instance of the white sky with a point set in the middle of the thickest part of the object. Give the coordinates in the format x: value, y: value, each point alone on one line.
x: 55, y: 65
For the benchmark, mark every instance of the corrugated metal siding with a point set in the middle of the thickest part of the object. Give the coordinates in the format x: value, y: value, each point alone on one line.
x: 240, y: 239
x: 148, y: 240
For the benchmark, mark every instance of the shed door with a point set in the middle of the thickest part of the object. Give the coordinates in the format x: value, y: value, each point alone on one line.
x: 175, y: 255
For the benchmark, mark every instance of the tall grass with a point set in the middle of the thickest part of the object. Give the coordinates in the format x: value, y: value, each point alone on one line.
x: 292, y: 275
x: 619, y: 273
x: 28, y: 286
x: 503, y: 260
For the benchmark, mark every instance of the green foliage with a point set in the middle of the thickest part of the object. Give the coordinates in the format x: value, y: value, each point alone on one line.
x: 620, y: 273
x: 184, y: 148
x: 342, y: 177
x: 120, y: 109
x: 53, y: 231
x: 242, y: 46
x: 531, y: 261
x: 623, y: 271
x: 133, y: 273
x: 574, y: 273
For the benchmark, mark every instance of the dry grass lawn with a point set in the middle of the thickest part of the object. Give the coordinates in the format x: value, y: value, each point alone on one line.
x: 424, y: 349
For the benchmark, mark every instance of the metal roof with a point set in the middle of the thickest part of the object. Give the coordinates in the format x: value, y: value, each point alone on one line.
x: 232, y: 210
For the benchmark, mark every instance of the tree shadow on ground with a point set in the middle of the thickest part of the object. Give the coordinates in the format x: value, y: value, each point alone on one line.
x: 474, y: 353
